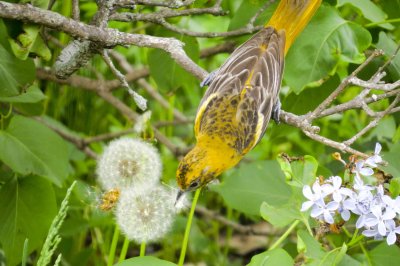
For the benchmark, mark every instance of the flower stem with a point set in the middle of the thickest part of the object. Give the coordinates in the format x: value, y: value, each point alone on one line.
x: 124, y: 250
x: 113, y: 247
x: 285, y: 235
x: 366, y: 254
x: 142, y: 249
x: 188, y: 226
x: 395, y: 20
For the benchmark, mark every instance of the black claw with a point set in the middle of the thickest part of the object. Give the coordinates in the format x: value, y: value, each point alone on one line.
x: 207, y: 81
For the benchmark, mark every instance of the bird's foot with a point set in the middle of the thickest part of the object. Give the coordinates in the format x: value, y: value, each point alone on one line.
x: 207, y: 81
x: 276, y: 111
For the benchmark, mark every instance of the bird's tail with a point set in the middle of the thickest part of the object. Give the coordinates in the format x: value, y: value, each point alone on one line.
x: 292, y: 16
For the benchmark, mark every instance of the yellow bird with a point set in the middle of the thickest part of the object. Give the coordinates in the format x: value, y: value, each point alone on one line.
x: 242, y: 96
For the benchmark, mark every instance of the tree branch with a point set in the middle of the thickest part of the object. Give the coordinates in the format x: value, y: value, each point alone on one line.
x: 104, y: 36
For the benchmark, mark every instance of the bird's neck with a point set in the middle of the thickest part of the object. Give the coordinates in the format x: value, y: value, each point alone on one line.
x: 219, y: 156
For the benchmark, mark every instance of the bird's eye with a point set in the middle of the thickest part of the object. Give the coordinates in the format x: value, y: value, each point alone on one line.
x: 194, y: 184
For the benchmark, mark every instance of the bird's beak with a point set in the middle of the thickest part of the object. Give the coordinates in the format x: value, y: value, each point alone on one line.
x: 179, y: 195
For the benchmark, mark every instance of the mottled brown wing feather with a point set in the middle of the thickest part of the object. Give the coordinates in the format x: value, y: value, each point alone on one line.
x: 250, y: 78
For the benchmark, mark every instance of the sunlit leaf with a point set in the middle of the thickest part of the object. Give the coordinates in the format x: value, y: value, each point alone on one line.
x: 252, y: 184
x: 273, y: 257
x: 326, y: 41
x: 369, y: 10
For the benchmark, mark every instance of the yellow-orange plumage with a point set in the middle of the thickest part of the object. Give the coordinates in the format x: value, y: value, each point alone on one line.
x: 242, y: 96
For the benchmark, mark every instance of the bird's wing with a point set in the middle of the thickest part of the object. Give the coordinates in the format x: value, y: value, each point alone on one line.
x: 253, y: 74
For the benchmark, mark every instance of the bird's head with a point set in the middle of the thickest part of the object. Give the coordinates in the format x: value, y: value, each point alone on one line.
x: 195, y: 170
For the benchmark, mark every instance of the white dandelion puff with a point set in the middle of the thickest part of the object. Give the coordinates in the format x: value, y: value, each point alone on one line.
x: 145, y: 217
x: 127, y: 163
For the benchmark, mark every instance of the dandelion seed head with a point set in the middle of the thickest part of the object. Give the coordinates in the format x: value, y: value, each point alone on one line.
x: 128, y: 162
x: 145, y: 217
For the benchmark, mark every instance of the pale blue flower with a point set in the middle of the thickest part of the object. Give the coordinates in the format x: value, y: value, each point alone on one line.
x: 325, y: 211
x: 392, y: 231
x: 375, y: 159
x: 314, y: 196
x: 334, y: 188
x: 379, y: 219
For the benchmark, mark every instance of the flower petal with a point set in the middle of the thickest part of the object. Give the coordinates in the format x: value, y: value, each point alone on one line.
x: 316, y: 211
x: 316, y: 188
x: 391, y: 238
x: 346, y: 191
x: 327, y: 189
x: 307, y: 192
x: 332, y: 206
x: 378, y: 148
x: 377, y: 211
x: 336, y: 181
x: 389, y: 214
x: 371, y: 222
x: 369, y: 233
x: 349, y: 204
x: 328, y: 217
x: 381, y: 228
x: 360, y: 222
x: 306, y: 205
x: 337, y: 196
x: 345, y: 215
x: 366, y: 171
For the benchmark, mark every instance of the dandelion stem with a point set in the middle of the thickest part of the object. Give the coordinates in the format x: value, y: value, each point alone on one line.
x: 228, y: 237
x: 113, y: 247
x: 188, y: 226
x: 285, y: 235
x: 142, y: 249
x: 124, y: 250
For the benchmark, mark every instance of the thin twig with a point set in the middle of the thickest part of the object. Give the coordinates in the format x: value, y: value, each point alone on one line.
x: 139, y: 100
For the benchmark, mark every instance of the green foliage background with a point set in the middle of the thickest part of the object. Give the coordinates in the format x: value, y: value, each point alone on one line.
x: 37, y: 165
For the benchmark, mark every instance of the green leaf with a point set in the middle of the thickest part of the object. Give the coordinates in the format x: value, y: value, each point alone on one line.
x: 334, y: 256
x: 300, y: 172
x: 301, y: 104
x: 369, y: 10
x: 389, y: 47
x: 30, y: 147
x: 394, y: 187
x: 385, y: 129
x: 307, y: 244
x: 273, y: 257
x: 349, y: 261
x: 147, y: 260
x: 280, y: 216
x: 23, y: 43
x: 167, y: 73
x: 32, y: 95
x: 31, y: 206
x: 14, y: 73
x: 384, y: 255
x: 24, y: 38
x: 327, y: 41
x: 392, y: 157
x: 246, y: 11
x: 252, y: 184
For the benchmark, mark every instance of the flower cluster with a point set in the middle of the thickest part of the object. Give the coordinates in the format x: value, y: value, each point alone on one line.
x: 129, y: 170
x: 375, y: 211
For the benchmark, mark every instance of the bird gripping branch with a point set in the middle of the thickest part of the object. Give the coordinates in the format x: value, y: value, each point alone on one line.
x: 242, y: 96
